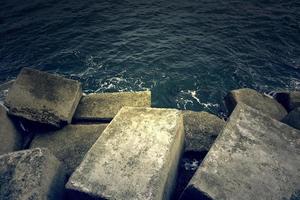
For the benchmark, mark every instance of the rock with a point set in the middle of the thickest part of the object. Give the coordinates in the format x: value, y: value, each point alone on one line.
x: 293, y: 118
x: 260, y: 102
x: 255, y: 157
x: 31, y: 175
x: 104, y: 106
x: 201, y: 130
x: 70, y: 144
x: 290, y: 100
x: 44, y: 98
x: 10, y: 137
x: 4, y: 89
x: 136, y: 157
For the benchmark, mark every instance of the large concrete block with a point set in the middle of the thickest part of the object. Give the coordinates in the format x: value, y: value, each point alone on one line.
x: 43, y: 97
x: 104, y: 106
x: 10, y: 137
x: 201, y: 130
x: 136, y: 157
x: 4, y: 90
x: 31, y: 175
x: 70, y: 144
x: 293, y: 118
x: 254, y: 99
x: 255, y: 157
x: 290, y: 100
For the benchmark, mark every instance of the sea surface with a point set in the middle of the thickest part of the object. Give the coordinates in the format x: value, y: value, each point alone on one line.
x: 189, y: 53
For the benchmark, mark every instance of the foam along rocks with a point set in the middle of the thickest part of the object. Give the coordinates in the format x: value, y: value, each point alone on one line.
x: 104, y: 106
x: 69, y: 144
x: 254, y: 99
x: 255, y: 157
x: 44, y: 98
x: 136, y: 157
x: 201, y: 130
x: 31, y: 174
x: 10, y: 137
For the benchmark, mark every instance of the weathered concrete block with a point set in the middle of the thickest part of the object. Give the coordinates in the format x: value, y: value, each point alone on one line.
x: 70, y: 144
x: 290, y: 100
x: 201, y: 130
x: 293, y: 118
x: 31, y: 175
x: 254, y: 99
x: 255, y: 157
x: 4, y: 90
x: 104, y: 106
x: 136, y: 157
x: 10, y: 138
x: 43, y: 97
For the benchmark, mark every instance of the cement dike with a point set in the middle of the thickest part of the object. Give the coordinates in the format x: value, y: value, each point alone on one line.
x: 57, y: 143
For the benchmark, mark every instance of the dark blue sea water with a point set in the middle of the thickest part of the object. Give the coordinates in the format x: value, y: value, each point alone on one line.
x: 189, y: 53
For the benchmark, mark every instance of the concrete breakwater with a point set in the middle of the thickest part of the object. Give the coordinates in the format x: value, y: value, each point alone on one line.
x: 57, y: 143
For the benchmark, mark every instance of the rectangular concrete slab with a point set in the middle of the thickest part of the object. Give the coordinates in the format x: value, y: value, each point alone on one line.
x: 201, y: 130
x: 104, y: 106
x: 44, y: 98
x: 255, y: 157
x: 69, y: 144
x: 256, y: 100
x: 10, y: 137
x: 136, y: 157
x: 31, y: 175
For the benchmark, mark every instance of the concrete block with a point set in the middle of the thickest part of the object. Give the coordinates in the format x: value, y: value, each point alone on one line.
x: 255, y: 157
x: 136, y: 157
x: 4, y: 87
x: 10, y: 137
x: 290, y: 100
x: 254, y: 99
x: 44, y: 98
x: 31, y: 175
x: 293, y: 118
x: 104, y: 106
x: 69, y: 144
x: 201, y: 130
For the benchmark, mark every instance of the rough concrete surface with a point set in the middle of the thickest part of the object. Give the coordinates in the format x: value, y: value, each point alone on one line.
x: 104, y: 106
x: 31, y: 175
x: 136, y: 157
x: 70, y: 144
x: 254, y: 99
x: 201, y: 130
x: 255, y: 157
x: 44, y: 98
x: 10, y: 137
